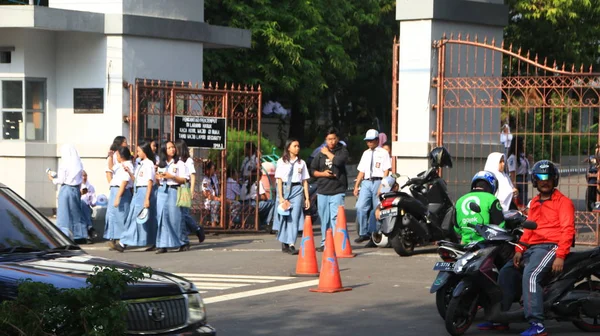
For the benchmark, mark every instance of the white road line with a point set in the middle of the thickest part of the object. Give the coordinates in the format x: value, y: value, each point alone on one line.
x: 234, y: 296
x: 218, y: 287
x: 201, y: 284
x: 195, y: 278
x: 233, y: 276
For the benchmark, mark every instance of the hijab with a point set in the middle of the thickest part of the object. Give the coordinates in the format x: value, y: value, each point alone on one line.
x: 505, y: 186
x: 71, y: 163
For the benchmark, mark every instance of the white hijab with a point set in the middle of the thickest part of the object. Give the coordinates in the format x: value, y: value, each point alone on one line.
x: 505, y: 186
x: 71, y: 163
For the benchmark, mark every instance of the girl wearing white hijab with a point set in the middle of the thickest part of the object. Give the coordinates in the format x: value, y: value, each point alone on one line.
x: 506, y: 191
x: 69, y: 176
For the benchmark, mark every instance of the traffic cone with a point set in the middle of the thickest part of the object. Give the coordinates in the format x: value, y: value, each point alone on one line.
x: 307, y: 266
x: 329, y: 281
x: 342, y: 239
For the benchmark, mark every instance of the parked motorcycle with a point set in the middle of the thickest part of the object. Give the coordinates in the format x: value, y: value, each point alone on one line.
x: 408, y: 220
x: 569, y: 296
x: 592, y: 182
x: 446, y: 281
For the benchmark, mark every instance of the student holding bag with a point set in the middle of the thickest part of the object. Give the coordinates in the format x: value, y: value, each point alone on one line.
x: 292, y: 193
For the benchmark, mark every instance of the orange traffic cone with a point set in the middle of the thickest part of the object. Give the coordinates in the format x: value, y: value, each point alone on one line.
x: 342, y: 239
x: 307, y: 258
x: 329, y: 281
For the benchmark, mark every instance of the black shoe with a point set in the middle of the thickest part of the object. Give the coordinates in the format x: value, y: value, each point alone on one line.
x: 370, y: 244
x: 200, y: 234
x: 184, y: 247
x: 320, y: 248
x: 92, y: 233
x: 161, y: 250
x: 292, y: 250
x: 151, y: 248
x: 89, y: 241
x: 119, y: 248
x: 361, y: 239
x: 285, y: 248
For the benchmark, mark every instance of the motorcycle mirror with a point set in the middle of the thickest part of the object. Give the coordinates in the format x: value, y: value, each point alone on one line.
x: 530, y: 225
x: 475, y: 207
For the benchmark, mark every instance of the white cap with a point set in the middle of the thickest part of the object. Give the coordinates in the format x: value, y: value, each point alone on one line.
x: 372, y: 135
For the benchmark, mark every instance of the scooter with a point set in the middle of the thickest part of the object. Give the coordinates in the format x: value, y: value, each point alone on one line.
x: 592, y: 182
x: 569, y: 296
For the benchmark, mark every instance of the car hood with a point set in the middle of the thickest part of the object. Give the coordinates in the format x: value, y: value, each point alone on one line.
x: 70, y: 270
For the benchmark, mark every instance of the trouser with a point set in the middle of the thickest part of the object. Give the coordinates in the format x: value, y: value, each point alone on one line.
x: 367, y: 201
x: 328, y: 206
x: 538, y: 260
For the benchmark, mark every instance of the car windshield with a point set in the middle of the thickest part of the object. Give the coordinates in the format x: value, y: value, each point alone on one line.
x: 24, y: 229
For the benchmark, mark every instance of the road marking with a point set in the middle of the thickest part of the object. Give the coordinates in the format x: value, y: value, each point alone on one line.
x: 234, y: 276
x: 234, y: 296
x: 220, y: 282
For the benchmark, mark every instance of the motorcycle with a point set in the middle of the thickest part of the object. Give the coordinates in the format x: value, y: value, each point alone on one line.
x: 592, y: 182
x: 569, y: 296
x: 446, y: 280
x: 408, y: 220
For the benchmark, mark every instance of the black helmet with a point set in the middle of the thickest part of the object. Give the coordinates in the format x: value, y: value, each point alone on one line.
x: 440, y: 157
x: 544, y: 170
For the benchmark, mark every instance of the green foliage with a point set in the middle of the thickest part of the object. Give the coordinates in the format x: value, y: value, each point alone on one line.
x: 96, y: 310
x: 236, y: 141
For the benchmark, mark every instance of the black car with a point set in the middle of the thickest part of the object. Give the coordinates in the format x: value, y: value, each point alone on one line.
x: 31, y: 247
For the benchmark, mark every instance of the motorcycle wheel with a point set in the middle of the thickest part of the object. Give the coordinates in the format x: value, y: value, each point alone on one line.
x: 402, y: 244
x: 461, y: 313
x: 380, y: 239
x: 583, y: 325
x: 443, y: 296
x: 590, y: 198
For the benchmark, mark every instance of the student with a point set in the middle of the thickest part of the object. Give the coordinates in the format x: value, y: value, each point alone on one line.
x: 136, y: 229
x: 265, y: 204
x: 190, y: 224
x: 69, y: 217
x: 233, y: 187
x: 292, y: 194
x: 119, y: 199
x: 250, y: 161
x: 88, y: 201
x: 506, y: 190
x: 111, y: 159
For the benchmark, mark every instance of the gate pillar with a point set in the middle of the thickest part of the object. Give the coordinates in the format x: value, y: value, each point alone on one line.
x: 422, y: 22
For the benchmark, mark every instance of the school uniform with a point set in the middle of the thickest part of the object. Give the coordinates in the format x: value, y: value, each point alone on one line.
x: 374, y: 163
x: 69, y: 217
x: 522, y: 174
x: 88, y: 201
x: 138, y: 234
x: 190, y: 224
x: 170, y: 217
x: 292, y: 174
x: 233, y: 189
x: 265, y: 208
x: 249, y: 165
x: 116, y: 216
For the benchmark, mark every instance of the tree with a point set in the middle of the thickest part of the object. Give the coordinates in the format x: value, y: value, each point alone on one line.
x: 303, y: 52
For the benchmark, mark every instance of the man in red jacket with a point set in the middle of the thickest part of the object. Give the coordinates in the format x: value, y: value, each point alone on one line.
x: 549, y: 245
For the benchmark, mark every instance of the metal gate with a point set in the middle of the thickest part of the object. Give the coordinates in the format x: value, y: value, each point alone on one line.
x: 551, y: 109
x: 156, y: 105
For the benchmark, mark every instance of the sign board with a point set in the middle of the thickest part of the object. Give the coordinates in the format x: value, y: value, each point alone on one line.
x: 201, y: 132
x: 88, y: 100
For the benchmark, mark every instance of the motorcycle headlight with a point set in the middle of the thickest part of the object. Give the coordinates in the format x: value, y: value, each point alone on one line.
x: 196, y: 309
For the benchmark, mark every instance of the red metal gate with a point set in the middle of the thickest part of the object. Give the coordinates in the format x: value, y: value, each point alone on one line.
x: 156, y: 105
x: 553, y: 110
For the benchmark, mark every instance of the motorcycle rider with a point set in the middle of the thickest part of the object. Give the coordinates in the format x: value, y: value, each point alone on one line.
x: 549, y: 245
x: 483, y: 187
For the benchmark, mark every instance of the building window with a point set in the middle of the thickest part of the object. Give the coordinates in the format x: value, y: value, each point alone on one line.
x: 23, y: 101
x: 5, y: 57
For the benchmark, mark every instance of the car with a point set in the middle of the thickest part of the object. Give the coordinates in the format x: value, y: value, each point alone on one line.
x: 32, y: 247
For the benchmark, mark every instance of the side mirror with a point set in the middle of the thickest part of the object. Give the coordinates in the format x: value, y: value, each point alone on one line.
x: 475, y: 207
x: 530, y: 225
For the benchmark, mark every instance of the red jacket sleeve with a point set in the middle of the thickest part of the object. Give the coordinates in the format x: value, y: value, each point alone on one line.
x: 525, y: 239
x: 566, y: 216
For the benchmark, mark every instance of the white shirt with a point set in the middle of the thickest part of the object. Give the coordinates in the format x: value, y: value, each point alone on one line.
x: 249, y: 165
x: 189, y: 163
x: 251, y: 195
x: 210, y: 184
x: 144, y: 173
x: 381, y: 163
x: 233, y: 189
x: 178, y: 169
x: 90, y: 197
x: 299, y: 174
x: 115, y: 163
x: 120, y: 175
x: 523, y: 168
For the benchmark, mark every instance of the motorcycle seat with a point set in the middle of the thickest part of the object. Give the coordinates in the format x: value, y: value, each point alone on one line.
x: 576, y: 257
x: 451, y: 244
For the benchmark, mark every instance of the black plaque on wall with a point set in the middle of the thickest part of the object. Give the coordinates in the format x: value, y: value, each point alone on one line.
x: 88, y: 100
x: 201, y: 132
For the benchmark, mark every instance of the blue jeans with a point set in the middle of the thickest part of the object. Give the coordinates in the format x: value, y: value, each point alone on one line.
x: 328, y: 206
x: 538, y: 262
x: 367, y: 201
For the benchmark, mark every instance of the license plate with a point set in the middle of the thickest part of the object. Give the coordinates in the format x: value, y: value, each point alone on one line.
x: 443, y: 266
x: 388, y: 213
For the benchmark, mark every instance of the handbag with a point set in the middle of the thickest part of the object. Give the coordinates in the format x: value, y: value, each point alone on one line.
x: 184, y: 196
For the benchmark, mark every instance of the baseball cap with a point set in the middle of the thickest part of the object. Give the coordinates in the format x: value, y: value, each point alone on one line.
x: 371, y: 135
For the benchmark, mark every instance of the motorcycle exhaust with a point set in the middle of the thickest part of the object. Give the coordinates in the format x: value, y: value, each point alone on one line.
x: 419, y: 228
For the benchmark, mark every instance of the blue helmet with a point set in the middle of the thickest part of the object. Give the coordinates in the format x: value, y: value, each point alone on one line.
x: 487, y: 177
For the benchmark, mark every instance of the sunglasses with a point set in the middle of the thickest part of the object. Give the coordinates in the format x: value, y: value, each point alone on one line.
x: 542, y: 177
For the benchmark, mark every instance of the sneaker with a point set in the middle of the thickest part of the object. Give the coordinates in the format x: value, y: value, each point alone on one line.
x: 361, y: 239
x: 320, y: 248
x: 535, y: 329
x: 492, y: 326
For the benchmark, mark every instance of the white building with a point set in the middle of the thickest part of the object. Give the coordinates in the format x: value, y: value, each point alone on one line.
x: 86, y: 52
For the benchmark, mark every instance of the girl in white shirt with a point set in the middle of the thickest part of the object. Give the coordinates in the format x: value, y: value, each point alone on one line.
x: 292, y: 191
x: 506, y: 190
x: 190, y: 224
x: 69, y: 217
x: 111, y: 159
x: 88, y: 201
x: 171, y: 173
x: 119, y: 199
x: 137, y: 234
